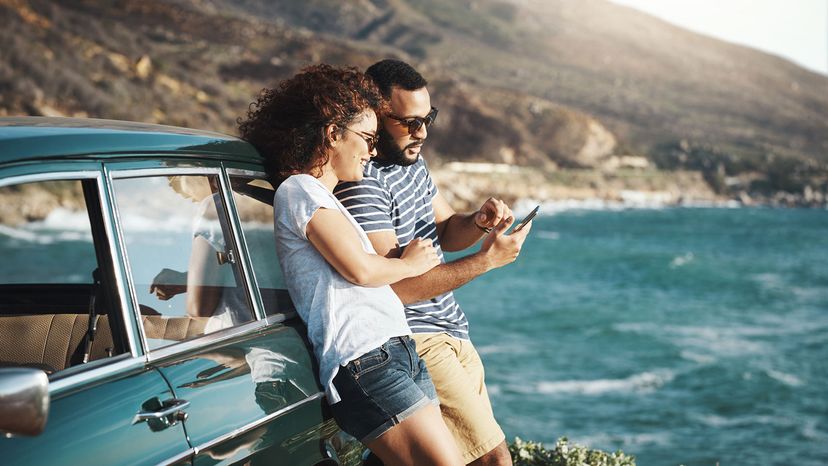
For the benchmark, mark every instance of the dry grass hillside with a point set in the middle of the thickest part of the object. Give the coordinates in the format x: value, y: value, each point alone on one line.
x: 569, y: 85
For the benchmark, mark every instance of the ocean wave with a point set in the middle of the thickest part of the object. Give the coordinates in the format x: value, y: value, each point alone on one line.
x: 43, y: 237
x: 680, y: 261
x: 550, y: 235
x: 644, y: 382
x: 696, y: 357
x: 708, y: 341
x: 626, y: 441
x: 787, y: 379
x: 630, y: 199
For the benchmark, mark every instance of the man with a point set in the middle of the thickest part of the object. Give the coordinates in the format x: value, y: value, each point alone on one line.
x: 397, y: 202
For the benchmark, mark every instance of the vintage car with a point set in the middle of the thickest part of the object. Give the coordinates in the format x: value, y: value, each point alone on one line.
x: 143, y: 315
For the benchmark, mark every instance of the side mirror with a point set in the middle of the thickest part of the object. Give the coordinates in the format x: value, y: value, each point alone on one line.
x: 24, y: 401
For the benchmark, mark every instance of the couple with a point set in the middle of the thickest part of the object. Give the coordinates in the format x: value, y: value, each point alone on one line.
x: 357, y: 238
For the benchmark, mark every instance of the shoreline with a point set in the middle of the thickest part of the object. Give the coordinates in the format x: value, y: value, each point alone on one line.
x: 561, y: 190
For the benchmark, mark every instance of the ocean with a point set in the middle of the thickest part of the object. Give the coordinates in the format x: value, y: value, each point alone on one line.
x: 695, y: 336
x: 690, y: 336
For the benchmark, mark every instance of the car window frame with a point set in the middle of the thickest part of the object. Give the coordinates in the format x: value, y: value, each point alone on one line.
x: 158, y: 165
x: 236, y: 169
x: 74, y: 378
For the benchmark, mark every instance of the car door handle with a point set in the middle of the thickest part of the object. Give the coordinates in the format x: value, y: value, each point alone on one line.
x: 171, y: 407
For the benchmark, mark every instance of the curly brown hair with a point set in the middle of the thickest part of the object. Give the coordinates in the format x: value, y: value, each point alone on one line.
x: 287, y: 124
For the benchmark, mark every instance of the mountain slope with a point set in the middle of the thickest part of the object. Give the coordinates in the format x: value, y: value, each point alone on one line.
x: 559, y: 83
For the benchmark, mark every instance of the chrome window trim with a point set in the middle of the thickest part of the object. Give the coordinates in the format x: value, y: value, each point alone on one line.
x: 66, y: 384
x: 122, y: 173
x: 246, y: 268
x: 106, y: 196
x: 280, y: 317
x: 274, y: 318
x: 244, y: 172
x: 257, y: 423
x: 155, y: 355
x: 50, y: 176
x: 179, y: 457
x: 119, y: 231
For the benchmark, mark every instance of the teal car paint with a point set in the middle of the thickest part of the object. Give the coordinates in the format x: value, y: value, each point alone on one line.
x: 133, y: 379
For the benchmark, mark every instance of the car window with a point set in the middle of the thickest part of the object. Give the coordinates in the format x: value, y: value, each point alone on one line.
x: 253, y: 197
x: 57, y: 306
x: 182, y: 260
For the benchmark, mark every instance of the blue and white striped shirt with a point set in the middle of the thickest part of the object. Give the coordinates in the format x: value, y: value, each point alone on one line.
x: 398, y: 199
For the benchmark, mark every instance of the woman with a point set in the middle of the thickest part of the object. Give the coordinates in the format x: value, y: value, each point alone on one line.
x: 316, y: 129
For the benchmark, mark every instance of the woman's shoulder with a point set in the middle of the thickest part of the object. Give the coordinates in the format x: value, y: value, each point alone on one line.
x: 300, y: 184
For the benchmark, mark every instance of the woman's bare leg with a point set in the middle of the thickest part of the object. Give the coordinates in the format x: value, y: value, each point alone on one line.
x: 420, y: 439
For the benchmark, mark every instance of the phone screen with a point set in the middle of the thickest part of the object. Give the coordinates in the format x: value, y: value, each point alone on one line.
x: 526, y: 219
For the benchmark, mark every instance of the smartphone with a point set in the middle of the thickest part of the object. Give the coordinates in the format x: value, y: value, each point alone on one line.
x: 526, y: 219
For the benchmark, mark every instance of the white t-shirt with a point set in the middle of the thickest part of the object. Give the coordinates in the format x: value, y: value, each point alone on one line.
x: 344, y: 320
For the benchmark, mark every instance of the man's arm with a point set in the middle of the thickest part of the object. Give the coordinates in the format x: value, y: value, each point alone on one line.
x: 459, y: 231
x: 496, y: 251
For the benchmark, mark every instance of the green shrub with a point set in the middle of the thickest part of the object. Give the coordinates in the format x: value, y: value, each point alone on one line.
x: 564, y: 454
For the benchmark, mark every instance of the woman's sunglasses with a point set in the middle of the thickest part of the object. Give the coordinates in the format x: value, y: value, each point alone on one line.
x: 415, y: 123
x: 370, y: 139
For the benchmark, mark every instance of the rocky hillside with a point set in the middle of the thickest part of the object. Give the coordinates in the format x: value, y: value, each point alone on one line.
x: 553, y: 85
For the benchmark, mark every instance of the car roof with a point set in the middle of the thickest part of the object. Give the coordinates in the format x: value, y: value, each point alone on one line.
x: 41, y: 138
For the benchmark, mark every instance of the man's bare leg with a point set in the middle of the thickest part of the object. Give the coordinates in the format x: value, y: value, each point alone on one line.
x: 499, y: 456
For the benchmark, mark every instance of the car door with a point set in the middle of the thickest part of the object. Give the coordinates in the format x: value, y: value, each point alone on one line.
x: 248, y: 377
x: 60, y: 271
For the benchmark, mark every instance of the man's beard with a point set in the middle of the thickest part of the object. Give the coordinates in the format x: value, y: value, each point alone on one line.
x: 389, y: 153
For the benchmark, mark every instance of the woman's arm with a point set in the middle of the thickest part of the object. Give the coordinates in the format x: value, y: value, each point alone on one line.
x: 203, y: 294
x: 335, y: 238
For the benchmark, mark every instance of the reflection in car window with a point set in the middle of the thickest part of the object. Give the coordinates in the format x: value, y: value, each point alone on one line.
x: 254, y: 202
x: 183, y: 267
x: 51, y: 286
x: 45, y: 235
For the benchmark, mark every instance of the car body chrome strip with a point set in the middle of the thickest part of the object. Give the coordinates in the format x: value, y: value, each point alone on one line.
x: 258, y: 423
x: 70, y: 382
x: 204, y: 340
x: 247, y: 173
x: 178, y: 458
x: 50, y: 176
x: 121, y: 173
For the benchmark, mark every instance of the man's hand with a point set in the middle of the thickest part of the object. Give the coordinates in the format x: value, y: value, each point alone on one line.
x: 491, y: 213
x: 168, y: 283
x: 500, y: 249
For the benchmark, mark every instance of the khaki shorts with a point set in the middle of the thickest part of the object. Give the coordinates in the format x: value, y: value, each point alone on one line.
x: 457, y: 373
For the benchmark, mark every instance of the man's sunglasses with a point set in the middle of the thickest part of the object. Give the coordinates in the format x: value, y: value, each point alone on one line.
x: 370, y: 139
x: 415, y: 123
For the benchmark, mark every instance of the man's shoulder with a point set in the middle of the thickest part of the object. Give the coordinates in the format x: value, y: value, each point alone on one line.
x: 388, y: 174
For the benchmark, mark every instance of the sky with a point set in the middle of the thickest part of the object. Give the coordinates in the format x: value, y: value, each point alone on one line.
x: 794, y: 29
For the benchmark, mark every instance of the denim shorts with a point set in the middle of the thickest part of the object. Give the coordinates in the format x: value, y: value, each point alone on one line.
x: 381, y: 388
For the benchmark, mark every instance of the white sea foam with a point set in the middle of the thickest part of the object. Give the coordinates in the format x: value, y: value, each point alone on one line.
x: 629, y: 200
x: 64, y: 219
x: 696, y: 357
x: 626, y: 440
x: 44, y: 237
x: 644, y: 382
x: 787, y: 379
x: 550, y: 235
x: 708, y: 341
x: 502, y: 348
x: 768, y: 281
x: 679, y: 261
x: 18, y: 233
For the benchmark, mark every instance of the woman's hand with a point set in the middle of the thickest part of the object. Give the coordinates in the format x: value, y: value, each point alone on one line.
x: 420, y: 255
